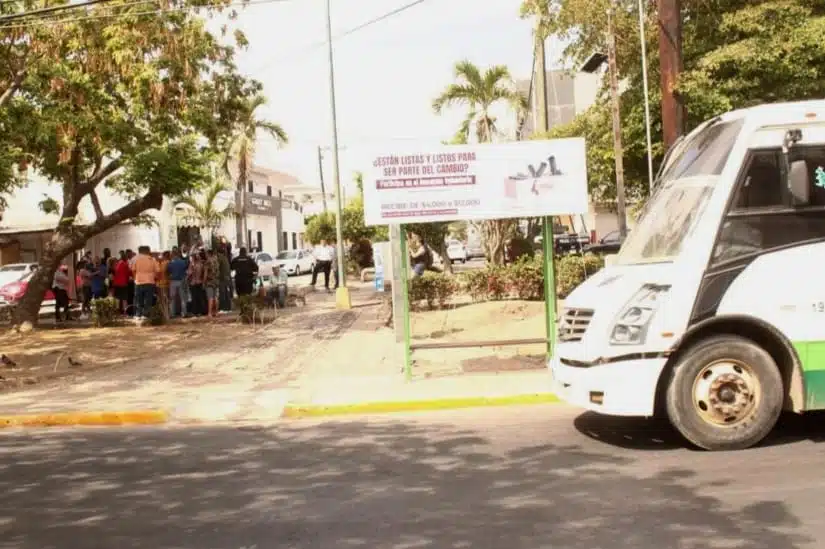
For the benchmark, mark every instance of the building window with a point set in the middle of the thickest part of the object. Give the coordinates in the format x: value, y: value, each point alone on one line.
x: 286, y: 240
x: 280, y: 194
x: 294, y: 241
x: 260, y: 241
x: 248, y: 239
x: 269, y: 190
x: 250, y: 186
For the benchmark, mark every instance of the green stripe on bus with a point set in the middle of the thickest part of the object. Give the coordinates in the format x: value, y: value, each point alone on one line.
x: 812, y: 356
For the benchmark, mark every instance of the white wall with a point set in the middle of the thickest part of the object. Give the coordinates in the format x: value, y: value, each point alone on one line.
x: 125, y: 237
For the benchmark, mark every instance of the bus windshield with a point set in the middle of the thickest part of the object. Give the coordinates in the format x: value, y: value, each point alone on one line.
x: 667, y: 223
x: 683, y: 191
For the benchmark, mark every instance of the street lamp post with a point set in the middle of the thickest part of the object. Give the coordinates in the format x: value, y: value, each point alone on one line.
x: 647, y: 95
x: 342, y: 297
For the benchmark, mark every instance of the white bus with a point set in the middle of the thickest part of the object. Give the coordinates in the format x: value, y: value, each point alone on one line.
x: 713, y: 311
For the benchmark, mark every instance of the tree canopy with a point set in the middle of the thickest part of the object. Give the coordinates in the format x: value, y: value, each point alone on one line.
x: 322, y: 226
x: 114, y: 97
x: 737, y: 53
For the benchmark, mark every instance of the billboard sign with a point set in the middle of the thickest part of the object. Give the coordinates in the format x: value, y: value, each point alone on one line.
x: 410, y: 184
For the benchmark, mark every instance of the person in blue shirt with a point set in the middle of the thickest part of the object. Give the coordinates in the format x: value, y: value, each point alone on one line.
x: 99, y: 274
x: 177, y: 270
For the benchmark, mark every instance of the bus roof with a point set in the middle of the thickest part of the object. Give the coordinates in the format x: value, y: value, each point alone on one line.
x: 781, y: 114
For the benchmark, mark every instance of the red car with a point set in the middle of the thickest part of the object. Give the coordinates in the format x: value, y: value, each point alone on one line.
x: 13, y: 291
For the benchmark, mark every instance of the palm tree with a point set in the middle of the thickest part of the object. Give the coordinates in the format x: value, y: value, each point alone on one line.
x: 242, y: 150
x: 205, y: 213
x: 479, y: 92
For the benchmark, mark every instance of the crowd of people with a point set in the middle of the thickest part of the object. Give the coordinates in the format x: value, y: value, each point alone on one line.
x: 183, y: 282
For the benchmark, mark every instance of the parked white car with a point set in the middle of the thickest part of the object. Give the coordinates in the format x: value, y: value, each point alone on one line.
x: 295, y: 262
x: 14, y: 272
x: 457, y: 251
x: 265, y: 263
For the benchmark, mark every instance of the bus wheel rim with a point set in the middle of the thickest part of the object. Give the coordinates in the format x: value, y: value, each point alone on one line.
x: 726, y: 392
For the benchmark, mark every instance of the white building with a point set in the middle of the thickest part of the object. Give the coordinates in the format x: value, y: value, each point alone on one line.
x: 274, y: 219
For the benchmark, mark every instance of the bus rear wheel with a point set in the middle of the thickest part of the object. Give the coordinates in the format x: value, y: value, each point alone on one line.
x: 725, y: 393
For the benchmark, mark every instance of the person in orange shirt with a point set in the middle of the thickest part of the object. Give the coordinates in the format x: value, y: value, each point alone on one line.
x: 146, y: 273
x: 163, y: 283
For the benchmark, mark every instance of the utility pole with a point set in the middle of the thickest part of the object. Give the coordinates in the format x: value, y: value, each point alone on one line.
x: 670, y: 61
x: 541, y: 82
x: 645, y: 88
x: 342, y: 297
x: 321, y: 174
x: 617, y: 121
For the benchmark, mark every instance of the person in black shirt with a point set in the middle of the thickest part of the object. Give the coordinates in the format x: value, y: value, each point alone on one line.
x: 246, y: 270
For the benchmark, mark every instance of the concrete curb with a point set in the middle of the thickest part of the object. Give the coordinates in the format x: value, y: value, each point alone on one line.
x: 67, y: 419
x: 297, y: 411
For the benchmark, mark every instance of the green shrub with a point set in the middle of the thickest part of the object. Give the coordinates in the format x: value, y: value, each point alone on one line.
x: 432, y: 289
x: 572, y: 270
x: 105, y: 311
x: 247, y: 306
x: 496, y: 282
x: 475, y: 284
x: 157, y: 316
x: 525, y: 279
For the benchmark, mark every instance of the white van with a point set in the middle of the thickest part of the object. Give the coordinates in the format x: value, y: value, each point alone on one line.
x: 713, y: 311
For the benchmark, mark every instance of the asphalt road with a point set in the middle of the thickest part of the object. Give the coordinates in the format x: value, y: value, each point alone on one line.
x: 499, y: 478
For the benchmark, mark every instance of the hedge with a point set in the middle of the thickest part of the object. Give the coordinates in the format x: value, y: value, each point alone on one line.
x: 523, y: 279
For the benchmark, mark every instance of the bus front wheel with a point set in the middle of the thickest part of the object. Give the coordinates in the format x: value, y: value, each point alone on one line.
x: 725, y: 393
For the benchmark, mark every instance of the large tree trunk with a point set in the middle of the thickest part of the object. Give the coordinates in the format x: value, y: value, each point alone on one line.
x: 60, y: 246
x: 68, y: 238
x: 441, y: 250
x: 496, y: 232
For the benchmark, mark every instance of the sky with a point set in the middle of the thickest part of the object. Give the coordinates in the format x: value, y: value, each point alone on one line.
x: 386, y: 75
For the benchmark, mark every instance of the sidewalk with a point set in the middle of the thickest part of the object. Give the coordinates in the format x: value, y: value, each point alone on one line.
x: 362, y: 372
x: 238, y: 379
x: 311, y: 361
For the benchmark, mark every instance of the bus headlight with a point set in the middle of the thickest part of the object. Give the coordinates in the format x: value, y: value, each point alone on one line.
x: 630, y: 327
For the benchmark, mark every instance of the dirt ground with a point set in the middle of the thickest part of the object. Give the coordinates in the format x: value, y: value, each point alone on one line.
x: 53, y: 353
x: 486, y: 321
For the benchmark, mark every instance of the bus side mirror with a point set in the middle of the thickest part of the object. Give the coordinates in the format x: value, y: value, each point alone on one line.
x: 799, y: 183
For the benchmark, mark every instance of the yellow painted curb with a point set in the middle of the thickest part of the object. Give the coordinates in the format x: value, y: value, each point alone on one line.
x: 136, y: 417
x: 303, y: 411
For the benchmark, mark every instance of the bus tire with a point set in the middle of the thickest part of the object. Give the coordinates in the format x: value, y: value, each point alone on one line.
x: 725, y: 393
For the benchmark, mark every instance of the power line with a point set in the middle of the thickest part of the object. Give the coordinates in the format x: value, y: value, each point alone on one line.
x: 121, y: 15
x: 50, y: 10
x: 344, y: 34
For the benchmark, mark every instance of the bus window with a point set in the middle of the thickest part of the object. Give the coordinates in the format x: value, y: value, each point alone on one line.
x: 751, y: 230
x: 762, y: 184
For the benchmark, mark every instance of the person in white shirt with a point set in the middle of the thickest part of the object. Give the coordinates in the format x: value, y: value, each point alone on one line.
x: 60, y: 289
x: 323, y: 263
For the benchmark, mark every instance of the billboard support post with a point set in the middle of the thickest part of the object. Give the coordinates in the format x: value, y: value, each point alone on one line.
x: 548, y: 256
x: 405, y: 303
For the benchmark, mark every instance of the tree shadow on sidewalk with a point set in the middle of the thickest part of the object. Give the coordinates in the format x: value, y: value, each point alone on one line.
x: 355, y: 484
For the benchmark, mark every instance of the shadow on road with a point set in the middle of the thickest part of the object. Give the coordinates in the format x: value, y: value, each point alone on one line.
x: 656, y: 434
x: 353, y: 484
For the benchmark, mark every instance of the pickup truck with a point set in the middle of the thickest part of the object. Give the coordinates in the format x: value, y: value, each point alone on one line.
x: 567, y: 242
